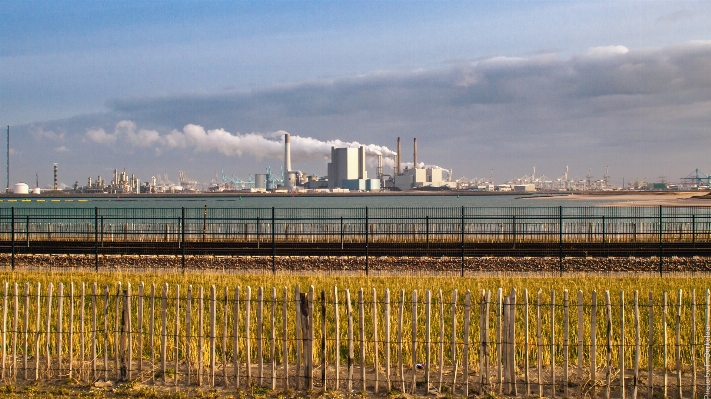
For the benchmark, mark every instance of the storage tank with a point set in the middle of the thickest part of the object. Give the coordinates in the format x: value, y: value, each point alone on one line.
x: 260, y: 180
x: 290, y: 180
x: 36, y: 190
x: 21, y: 188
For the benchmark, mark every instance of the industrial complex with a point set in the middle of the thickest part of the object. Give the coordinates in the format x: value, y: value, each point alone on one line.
x: 347, y: 172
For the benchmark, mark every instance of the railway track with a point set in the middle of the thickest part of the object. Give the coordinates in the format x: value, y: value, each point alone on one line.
x: 393, y: 249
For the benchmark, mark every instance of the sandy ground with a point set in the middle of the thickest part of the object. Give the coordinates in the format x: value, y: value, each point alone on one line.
x: 639, y: 199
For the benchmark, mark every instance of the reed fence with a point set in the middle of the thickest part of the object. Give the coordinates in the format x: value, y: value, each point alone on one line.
x: 509, y: 343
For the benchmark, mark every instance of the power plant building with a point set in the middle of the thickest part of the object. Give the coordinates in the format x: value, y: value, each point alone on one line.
x: 347, y: 170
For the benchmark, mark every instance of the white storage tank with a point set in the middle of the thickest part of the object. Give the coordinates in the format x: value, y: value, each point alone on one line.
x: 260, y: 181
x: 21, y: 188
x: 290, y: 180
x: 36, y: 191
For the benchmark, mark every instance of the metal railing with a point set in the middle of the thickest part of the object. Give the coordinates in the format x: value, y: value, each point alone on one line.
x: 450, y: 231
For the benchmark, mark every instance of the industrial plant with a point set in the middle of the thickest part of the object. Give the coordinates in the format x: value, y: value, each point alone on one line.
x: 347, y: 172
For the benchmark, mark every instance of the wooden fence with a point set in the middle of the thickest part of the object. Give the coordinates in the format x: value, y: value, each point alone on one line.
x: 544, y: 344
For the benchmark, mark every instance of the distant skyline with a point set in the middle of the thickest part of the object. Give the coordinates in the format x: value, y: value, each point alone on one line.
x: 205, y: 86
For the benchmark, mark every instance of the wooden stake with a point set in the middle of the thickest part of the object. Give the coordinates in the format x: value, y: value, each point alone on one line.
x: 566, y: 341
x: 235, y: 343
x: 37, y: 331
x: 48, y: 325
x: 665, y: 339
x: 650, y: 350
x: 622, y: 345
x: 298, y: 335
x: 678, y: 348
x: 14, y: 331
x: 361, y: 329
x: 337, y: 334
x: 4, y: 331
x: 285, y: 339
x: 26, y: 329
x: 453, y: 341
x: 164, y: 332
x: 324, y: 363
x: 693, y: 343
x: 465, y: 353
x: 151, y: 328
x: 260, y: 335
x: 539, y: 344
x: 552, y: 344
x: 608, y: 330
x: 350, y: 341
x: 499, y: 374
x: 139, y: 321
x: 376, y: 363
x: 526, y: 348
x: 225, y: 308
x: 188, y: 332
x: 581, y: 354
x: 386, y: 318
x: 247, y: 334
x: 440, y: 337
x: 399, y: 340
x: 428, y: 349
x: 272, y: 338
x: 177, y: 333
x: 593, y: 343
x: 635, y: 380
x: 213, y: 332
x: 117, y: 331
x: 413, y: 348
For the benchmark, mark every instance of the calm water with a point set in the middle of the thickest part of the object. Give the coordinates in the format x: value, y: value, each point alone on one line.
x: 300, y: 202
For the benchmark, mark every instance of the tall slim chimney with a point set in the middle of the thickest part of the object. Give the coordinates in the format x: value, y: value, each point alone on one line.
x: 56, y: 171
x: 8, y: 158
x: 397, y: 157
x: 287, y: 153
x: 414, y: 154
x: 380, y: 166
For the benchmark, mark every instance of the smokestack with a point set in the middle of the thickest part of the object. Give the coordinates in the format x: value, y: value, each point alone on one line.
x: 56, y: 171
x: 414, y: 154
x: 380, y: 166
x: 397, y: 158
x: 287, y: 153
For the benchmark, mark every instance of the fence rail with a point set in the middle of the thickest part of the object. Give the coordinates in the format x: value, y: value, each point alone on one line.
x: 517, y: 343
x: 458, y: 231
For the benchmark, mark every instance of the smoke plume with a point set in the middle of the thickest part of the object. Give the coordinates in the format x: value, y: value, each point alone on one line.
x: 259, y: 145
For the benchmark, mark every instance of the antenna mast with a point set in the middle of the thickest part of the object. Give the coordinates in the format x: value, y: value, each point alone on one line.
x: 8, y: 158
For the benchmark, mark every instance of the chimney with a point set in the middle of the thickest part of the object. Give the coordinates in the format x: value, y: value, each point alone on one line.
x: 287, y: 153
x: 380, y: 166
x: 397, y: 157
x: 56, y: 170
x: 414, y: 154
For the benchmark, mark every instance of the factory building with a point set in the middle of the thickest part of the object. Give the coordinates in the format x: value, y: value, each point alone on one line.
x: 347, y: 170
x: 416, y: 177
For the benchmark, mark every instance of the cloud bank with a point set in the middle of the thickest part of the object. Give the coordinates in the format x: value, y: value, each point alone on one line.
x: 643, y: 112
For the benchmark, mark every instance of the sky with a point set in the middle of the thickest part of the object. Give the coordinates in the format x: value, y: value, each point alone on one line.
x: 488, y: 88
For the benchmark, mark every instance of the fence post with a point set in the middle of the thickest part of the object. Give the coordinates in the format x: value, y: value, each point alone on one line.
x: 27, y: 230
x: 560, y: 241
x: 427, y: 232
x: 693, y: 230
x: 341, y: 232
x: 514, y: 231
x: 462, y: 241
x: 182, y: 237
x: 12, y: 238
x: 96, y: 239
x: 273, y: 241
x: 661, y: 259
x: 204, y: 223
x: 366, y: 242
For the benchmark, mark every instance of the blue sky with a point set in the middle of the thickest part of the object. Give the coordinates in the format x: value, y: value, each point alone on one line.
x: 483, y: 85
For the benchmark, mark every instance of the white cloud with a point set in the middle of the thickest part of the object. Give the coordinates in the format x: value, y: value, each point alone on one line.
x: 605, y: 51
x: 100, y: 136
x: 61, y: 149
x: 42, y: 134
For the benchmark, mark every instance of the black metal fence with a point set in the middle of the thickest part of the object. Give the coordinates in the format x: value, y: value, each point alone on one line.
x: 455, y: 231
